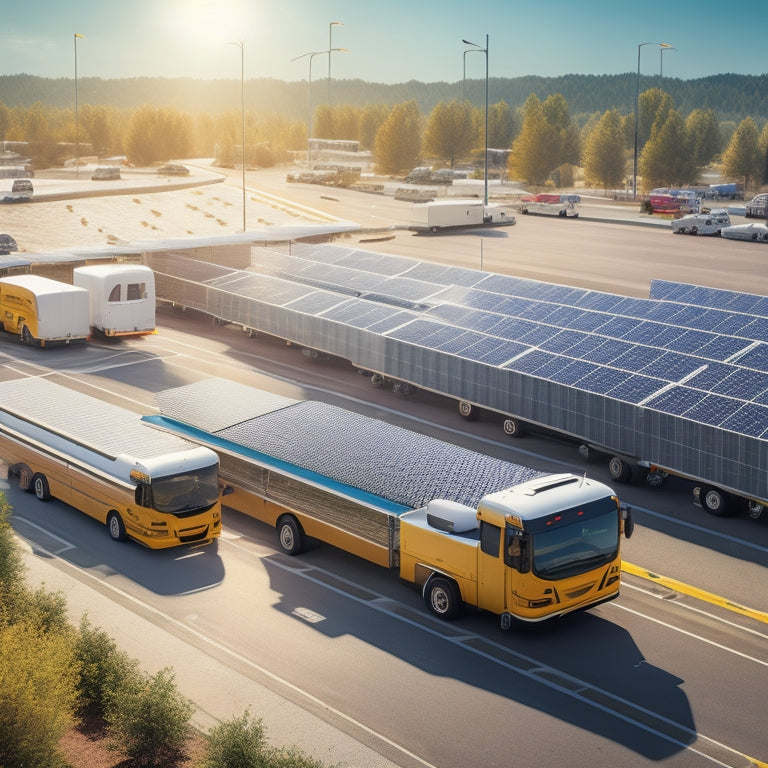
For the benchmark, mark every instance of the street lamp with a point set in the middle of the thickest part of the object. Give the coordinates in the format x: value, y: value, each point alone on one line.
x: 464, y: 76
x: 77, y: 121
x: 475, y: 46
x: 637, y: 114
x: 662, y: 49
x: 330, y: 50
x: 239, y: 44
x: 311, y: 56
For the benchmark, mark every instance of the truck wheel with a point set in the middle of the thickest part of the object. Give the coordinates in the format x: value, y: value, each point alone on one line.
x: 619, y: 470
x: 655, y: 479
x: 514, y: 428
x: 26, y: 336
x: 467, y: 410
x: 442, y: 598
x: 715, y: 502
x: 290, y: 535
x: 116, y: 527
x: 40, y: 487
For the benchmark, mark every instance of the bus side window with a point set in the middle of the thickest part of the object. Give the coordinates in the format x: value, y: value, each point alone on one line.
x: 136, y: 291
x: 114, y: 294
x: 490, y: 538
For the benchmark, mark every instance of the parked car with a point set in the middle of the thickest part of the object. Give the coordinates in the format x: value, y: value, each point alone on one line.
x: 111, y: 173
x: 757, y: 207
x: 173, y: 170
x: 754, y: 231
x: 708, y: 222
x: 7, y: 244
x: 21, y: 191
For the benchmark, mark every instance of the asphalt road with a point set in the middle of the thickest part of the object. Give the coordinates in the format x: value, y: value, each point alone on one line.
x: 339, y: 656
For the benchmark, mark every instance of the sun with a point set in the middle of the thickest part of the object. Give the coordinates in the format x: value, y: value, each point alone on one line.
x: 209, y: 22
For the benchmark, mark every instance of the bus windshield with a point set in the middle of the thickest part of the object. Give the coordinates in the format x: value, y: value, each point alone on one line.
x: 577, y: 547
x: 186, y: 492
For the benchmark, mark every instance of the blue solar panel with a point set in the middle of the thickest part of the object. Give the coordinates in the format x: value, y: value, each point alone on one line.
x: 603, y: 380
x: 712, y: 409
x: 672, y: 366
x: 636, y: 388
x: 607, y: 352
x: 637, y: 357
x: 563, y: 342
x: 756, y: 358
x: 675, y: 400
x: 711, y: 375
x: 574, y: 372
x: 531, y: 362
x: 744, y: 384
x: 750, y: 419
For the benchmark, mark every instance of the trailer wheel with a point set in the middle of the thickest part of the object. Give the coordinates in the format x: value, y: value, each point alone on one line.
x: 291, y: 535
x: 620, y: 470
x: 514, y: 428
x: 467, y: 410
x: 655, y: 479
x: 40, y: 487
x: 715, y: 502
x: 442, y: 598
x: 755, y: 509
x: 116, y: 527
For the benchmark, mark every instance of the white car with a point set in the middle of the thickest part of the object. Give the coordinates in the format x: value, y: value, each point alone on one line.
x: 755, y: 231
x: 706, y: 223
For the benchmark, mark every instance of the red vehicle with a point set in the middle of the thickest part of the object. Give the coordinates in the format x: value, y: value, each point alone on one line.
x: 675, y: 202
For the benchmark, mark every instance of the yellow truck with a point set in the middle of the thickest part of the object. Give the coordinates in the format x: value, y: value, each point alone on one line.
x: 42, y: 311
x: 467, y: 528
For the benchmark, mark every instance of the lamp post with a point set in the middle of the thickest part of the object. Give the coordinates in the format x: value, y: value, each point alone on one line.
x: 77, y: 119
x: 637, y: 115
x: 475, y: 46
x: 464, y: 75
x: 330, y: 50
x: 239, y: 44
x: 311, y: 56
x: 662, y: 49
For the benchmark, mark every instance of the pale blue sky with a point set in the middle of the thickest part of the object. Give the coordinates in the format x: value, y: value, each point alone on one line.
x: 389, y: 41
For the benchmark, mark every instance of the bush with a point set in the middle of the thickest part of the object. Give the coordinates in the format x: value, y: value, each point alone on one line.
x: 104, y: 669
x: 149, y: 720
x: 38, y: 692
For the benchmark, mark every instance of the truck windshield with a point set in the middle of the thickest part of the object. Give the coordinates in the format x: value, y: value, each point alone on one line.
x: 186, y: 492
x: 576, y: 547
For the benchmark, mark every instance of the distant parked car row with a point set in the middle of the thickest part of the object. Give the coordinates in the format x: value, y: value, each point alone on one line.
x: 718, y: 222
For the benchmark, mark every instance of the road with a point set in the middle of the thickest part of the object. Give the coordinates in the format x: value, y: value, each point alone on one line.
x: 341, y: 658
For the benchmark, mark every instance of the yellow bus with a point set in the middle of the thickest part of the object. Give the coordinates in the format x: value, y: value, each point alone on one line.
x: 157, y: 489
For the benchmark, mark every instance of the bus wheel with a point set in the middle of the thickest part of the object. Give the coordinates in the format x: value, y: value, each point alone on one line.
x: 116, y: 527
x: 715, y: 502
x: 442, y: 598
x: 620, y: 470
x: 514, y: 428
x: 290, y: 535
x: 40, y: 487
x: 26, y: 336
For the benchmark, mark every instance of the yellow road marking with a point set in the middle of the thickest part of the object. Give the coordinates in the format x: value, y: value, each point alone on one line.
x: 700, y: 594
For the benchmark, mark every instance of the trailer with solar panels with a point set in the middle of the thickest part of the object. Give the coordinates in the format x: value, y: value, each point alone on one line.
x: 675, y: 384
x: 467, y: 528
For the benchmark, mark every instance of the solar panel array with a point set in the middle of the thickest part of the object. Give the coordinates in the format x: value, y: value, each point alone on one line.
x: 659, y: 379
x: 393, y: 463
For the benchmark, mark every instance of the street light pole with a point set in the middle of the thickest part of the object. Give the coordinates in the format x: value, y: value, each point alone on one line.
x: 475, y: 46
x: 662, y: 49
x: 312, y: 55
x: 464, y: 76
x: 330, y: 50
x: 77, y: 118
x: 239, y: 44
x: 637, y: 115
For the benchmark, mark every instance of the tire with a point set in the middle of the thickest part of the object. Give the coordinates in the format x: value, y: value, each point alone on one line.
x: 26, y: 336
x: 715, y: 502
x: 514, y: 428
x: 40, y: 487
x: 619, y: 470
x: 290, y: 535
x: 680, y: 231
x: 116, y: 527
x: 442, y: 598
x: 467, y: 410
x: 694, y: 231
x: 654, y: 479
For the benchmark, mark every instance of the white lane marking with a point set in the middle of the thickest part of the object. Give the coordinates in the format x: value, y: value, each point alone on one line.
x: 67, y: 544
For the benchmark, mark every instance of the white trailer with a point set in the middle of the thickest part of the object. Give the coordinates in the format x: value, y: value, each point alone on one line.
x: 43, y: 311
x: 450, y: 214
x: 121, y: 298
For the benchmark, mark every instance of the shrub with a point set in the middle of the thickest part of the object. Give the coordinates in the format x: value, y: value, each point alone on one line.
x: 149, y: 720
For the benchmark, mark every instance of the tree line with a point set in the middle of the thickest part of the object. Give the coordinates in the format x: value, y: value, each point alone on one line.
x: 545, y: 142
x: 54, y: 675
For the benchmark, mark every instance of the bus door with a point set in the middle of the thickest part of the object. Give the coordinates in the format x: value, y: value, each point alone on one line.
x: 494, y: 585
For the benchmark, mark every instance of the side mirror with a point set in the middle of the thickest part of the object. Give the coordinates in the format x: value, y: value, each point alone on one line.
x: 629, y: 522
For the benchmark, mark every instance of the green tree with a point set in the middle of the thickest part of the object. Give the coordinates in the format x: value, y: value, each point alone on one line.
x: 11, y: 565
x: 501, y: 125
x: 663, y: 161
x: 38, y: 692
x: 742, y: 159
x: 763, y: 149
x: 237, y: 743
x: 534, y: 152
x: 556, y: 113
x: 450, y: 131
x: 149, y: 720
x: 655, y: 106
x: 398, y: 141
x: 371, y: 119
x: 703, y: 140
x: 323, y: 125
x: 604, y: 156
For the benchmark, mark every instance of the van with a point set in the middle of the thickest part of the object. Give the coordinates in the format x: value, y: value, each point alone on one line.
x: 21, y: 191
x: 106, y: 174
x: 757, y: 207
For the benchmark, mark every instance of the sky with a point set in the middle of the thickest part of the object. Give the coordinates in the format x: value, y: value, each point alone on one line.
x: 386, y: 41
